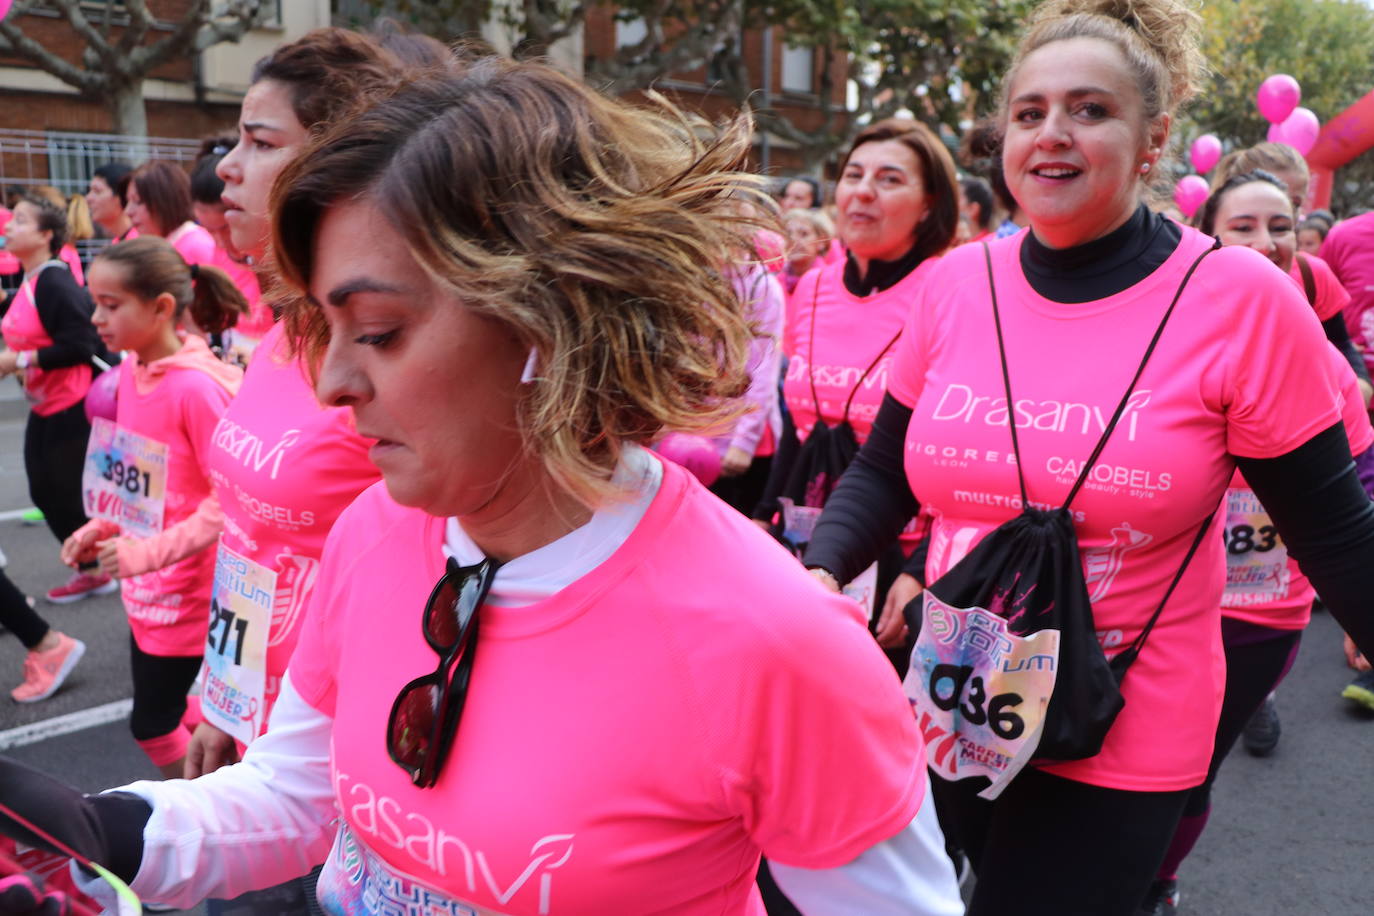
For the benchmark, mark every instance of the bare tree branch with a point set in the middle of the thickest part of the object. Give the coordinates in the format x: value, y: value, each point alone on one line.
x: 139, y: 24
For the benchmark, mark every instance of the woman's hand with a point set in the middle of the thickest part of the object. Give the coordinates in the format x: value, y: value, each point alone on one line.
x: 892, y: 630
x: 209, y: 750
x: 735, y: 462
x: 1354, y: 658
x: 107, y: 554
x: 9, y: 362
x: 81, y: 548
x: 827, y: 579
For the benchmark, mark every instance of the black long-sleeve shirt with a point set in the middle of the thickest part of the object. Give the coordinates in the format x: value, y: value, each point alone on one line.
x: 1313, y: 492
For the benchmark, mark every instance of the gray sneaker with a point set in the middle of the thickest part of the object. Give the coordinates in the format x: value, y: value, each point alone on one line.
x: 1262, y: 732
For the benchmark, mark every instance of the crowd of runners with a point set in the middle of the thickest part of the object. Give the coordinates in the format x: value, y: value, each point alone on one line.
x: 521, y: 508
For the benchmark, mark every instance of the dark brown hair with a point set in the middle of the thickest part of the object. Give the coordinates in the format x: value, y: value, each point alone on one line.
x: 935, y: 232
x: 593, y: 231
x: 166, y: 191
x: 151, y: 267
x: 51, y: 218
x: 1207, y: 216
x: 330, y: 71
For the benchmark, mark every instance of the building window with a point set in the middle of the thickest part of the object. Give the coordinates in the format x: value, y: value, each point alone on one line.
x: 798, y: 69
x: 630, y: 32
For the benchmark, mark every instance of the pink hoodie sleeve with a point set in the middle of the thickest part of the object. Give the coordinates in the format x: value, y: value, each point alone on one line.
x: 766, y: 306
x: 194, y: 533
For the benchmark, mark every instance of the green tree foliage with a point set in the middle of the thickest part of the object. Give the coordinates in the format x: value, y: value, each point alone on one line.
x: 1327, y: 45
x: 940, y: 59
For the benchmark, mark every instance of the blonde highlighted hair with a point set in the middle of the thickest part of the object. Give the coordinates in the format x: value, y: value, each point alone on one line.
x: 594, y: 231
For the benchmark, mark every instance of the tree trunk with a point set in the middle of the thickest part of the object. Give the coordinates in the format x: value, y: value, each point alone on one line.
x: 130, y: 115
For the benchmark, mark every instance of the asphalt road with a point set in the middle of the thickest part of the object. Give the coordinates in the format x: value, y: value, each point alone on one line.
x: 1286, y: 837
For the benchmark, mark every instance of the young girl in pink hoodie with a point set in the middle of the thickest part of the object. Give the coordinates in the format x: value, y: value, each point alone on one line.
x: 146, y: 485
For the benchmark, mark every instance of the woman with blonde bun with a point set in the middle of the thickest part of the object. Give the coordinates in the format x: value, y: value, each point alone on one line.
x: 1098, y: 378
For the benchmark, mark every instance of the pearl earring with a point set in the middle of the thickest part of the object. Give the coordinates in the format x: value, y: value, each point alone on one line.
x: 1144, y: 168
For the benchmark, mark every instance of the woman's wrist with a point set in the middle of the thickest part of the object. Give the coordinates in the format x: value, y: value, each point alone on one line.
x: 825, y: 577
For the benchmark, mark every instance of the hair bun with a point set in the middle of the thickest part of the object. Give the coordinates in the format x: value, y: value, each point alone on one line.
x: 1169, y: 28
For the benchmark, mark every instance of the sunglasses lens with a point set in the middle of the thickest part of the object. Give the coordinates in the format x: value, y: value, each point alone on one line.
x: 441, y: 617
x: 451, y: 607
x: 412, y: 724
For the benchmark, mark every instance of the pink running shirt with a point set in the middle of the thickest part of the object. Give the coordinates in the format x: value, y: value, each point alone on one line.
x: 69, y: 257
x: 259, y: 319
x: 1284, y: 600
x: 176, y: 401
x: 1242, y: 369
x: 283, y: 468
x: 194, y: 243
x: 835, y: 336
x: 49, y: 391
x: 1349, y: 250
x: 1331, y: 296
x: 631, y: 742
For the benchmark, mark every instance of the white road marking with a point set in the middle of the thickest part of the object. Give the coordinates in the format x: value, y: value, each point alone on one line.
x: 35, y: 732
x: 10, y: 515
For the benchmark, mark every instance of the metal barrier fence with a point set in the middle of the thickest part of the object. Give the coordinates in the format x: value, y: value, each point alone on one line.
x: 66, y: 160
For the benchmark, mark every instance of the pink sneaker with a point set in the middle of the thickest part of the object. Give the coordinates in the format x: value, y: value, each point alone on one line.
x: 83, y: 585
x: 44, y: 672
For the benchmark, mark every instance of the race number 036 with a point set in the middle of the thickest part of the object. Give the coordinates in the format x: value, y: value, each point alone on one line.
x: 957, y: 686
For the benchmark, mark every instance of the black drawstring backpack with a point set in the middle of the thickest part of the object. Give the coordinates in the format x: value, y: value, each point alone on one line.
x: 1007, y: 666
x: 821, y: 459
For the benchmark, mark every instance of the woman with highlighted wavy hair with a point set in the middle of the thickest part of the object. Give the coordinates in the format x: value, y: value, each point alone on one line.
x: 543, y: 670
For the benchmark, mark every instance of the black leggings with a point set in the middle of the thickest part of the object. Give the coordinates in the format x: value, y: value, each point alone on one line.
x: 54, y: 453
x: 161, y: 683
x: 17, y: 617
x: 1050, y: 846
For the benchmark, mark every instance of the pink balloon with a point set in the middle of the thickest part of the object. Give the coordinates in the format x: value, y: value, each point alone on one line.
x: 102, y: 398
x: 1189, y: 194
x: 4, y: 8
x: 1205, y: 153
x: 1301, y: 130
x: 1277, y: 97
x: 1275, y: 133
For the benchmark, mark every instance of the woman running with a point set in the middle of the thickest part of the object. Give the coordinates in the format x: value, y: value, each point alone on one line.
x: 898, y: 205
x: 640, y: 713
x: 1124, y: 445
x: 159, y: 203
x: 1268, y: 601
x: 172, y: 392
x: 50, y: 343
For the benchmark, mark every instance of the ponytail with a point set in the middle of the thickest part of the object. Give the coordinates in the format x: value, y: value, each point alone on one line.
x: 79, y: 224
x: 153, y: 267
x: 217, y: 303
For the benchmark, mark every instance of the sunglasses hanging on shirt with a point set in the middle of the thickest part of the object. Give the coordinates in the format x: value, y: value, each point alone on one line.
x: 424, y: 718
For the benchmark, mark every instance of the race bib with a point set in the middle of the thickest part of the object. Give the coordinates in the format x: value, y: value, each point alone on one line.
x: 234, y: 676
x: 125, y: 478
x: 1256, y: 560
x: 798, y: 522
x: 979, y: 692
x: 864, y: 589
